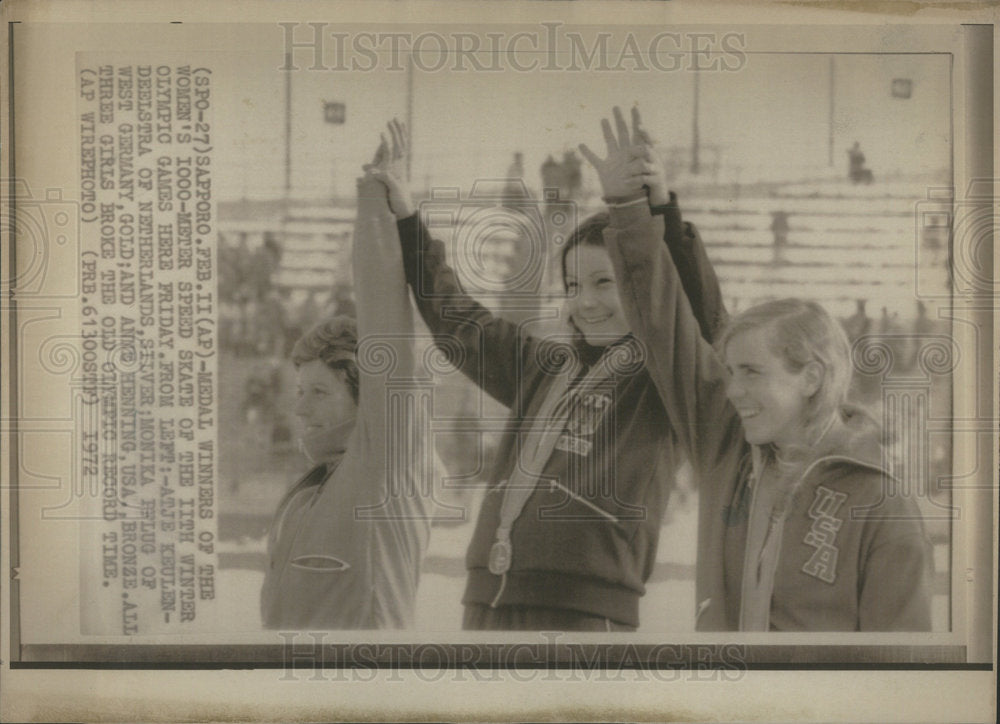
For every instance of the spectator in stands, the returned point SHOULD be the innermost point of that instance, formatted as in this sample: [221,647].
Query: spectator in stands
[552,174]
[343,300]
[864,387]
[923,327]
[269,326]
[516,168]
[779,227]
[859,323]
[240,266]
[258,397]
[856,170]
[573,173]
[265,262]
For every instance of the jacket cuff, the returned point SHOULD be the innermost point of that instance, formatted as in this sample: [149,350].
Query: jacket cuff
[408,226]
[636,198]
[671,213]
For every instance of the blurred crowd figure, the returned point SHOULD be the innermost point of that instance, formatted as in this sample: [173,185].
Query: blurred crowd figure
[859,323]
[546,220]
[902,338]
[856,170]
[259,322]
[516,170]
[779,227]
[252,311]
[258,318]
[565,175]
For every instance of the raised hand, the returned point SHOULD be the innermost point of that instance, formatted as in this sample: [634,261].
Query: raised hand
[625,170]
[389,167]
[655,179]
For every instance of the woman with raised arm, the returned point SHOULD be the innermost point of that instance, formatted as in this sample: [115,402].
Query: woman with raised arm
[801,528]
[347,540]
[567,534]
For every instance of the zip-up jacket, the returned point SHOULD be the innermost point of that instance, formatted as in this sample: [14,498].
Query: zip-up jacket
[347,541]
[586,538]
[849,553]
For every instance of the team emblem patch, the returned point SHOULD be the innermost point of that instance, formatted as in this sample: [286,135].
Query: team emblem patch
[586,414]
[822,535]
[588,411]
[576,445]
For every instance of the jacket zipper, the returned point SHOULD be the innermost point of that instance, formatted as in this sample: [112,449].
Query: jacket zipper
[746,562]
[702,607]
[772,523]
[606,514]
[554,484]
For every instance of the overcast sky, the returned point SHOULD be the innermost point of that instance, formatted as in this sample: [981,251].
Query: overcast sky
[770,118]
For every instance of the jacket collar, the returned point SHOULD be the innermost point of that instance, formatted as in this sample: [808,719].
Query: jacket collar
[852,439]
[590,354]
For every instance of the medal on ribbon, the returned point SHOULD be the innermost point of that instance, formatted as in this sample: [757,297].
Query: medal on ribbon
[500,555]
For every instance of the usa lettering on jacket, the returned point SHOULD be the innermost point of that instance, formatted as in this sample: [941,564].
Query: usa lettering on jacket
[822,535]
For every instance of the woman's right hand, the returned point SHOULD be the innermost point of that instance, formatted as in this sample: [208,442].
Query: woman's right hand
[655,173]
[389,167]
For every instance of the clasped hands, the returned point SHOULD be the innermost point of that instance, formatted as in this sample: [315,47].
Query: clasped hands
[633,165]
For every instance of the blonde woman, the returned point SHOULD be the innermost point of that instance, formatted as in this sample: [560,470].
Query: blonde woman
[801,528]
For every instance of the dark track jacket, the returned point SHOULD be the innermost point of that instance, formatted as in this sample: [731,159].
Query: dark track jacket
[852,555]
[586,539]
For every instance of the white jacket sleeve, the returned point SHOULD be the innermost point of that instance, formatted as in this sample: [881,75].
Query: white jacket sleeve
[392,443]
[385,317]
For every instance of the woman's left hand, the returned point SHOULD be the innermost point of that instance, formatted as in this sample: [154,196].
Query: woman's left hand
[627,167]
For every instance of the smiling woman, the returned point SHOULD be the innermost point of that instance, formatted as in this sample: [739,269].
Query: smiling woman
[769,398]
[590,284]
[594,303]
[574,552]
[801,526]
[326,387]
[789,363]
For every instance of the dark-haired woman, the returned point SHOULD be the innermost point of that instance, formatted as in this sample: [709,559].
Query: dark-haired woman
[567,534]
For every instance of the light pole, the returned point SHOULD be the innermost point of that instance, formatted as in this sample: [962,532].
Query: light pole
[830,123]
[288,127]
[409,114]
[695,165]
